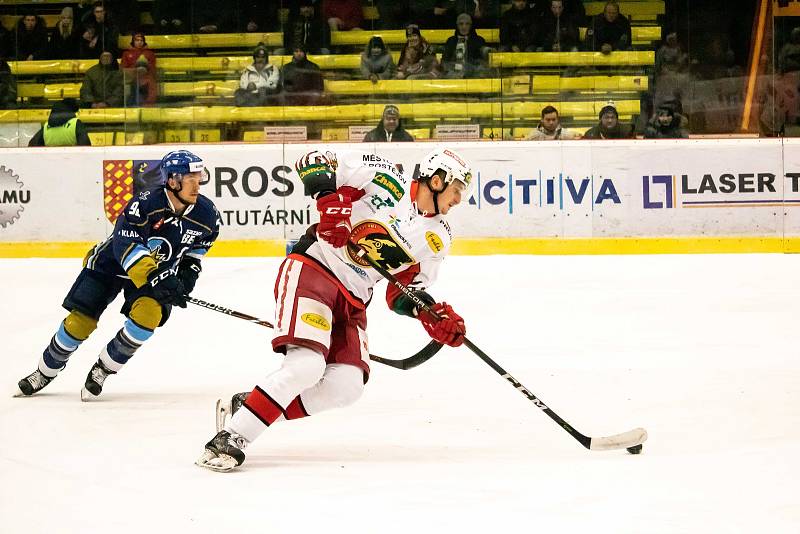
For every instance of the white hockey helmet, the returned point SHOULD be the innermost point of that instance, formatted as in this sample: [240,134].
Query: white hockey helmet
[454,166]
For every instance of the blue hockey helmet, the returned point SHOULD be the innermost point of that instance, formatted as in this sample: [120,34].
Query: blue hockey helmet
[180,162]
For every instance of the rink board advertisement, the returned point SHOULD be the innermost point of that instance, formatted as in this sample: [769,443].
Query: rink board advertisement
[682,189]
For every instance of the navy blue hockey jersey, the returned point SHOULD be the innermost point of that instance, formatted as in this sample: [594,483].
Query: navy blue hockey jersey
[149,226]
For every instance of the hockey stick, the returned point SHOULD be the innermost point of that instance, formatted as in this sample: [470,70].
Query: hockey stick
[631,440]
[425,354]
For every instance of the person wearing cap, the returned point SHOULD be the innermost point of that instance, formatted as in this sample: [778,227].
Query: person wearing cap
[417,59]
[139,67]
[609,126]
[62,128]
[666,124]
[259,81]
[464,52]
[302,80]
[389,129]
[103,85]
[549,128]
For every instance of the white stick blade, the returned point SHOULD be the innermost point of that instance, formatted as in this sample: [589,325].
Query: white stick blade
[637,436]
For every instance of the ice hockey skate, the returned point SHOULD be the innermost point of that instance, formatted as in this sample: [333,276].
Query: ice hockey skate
[224,452]
[227,409]
[33,383]
[94,381]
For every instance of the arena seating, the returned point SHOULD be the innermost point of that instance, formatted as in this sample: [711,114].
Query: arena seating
[198,76]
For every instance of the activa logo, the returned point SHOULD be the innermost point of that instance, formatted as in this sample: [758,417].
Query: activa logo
[557,191]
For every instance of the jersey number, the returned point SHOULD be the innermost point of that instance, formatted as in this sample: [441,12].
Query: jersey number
[134,209]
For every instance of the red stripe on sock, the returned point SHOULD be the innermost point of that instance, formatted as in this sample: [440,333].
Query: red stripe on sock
[296,410]
[263,406]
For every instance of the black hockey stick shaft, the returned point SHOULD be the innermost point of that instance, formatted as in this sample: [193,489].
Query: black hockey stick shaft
[584,440]
[425,354]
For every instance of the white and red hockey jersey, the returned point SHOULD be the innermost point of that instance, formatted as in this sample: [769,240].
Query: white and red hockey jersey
[386,222]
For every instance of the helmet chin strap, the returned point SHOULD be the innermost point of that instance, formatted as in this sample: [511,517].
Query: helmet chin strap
[176,191]
[435,196]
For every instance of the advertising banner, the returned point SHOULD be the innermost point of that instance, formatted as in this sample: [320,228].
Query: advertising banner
[547,190]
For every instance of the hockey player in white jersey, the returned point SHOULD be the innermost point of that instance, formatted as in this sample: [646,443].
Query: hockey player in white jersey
[323,287]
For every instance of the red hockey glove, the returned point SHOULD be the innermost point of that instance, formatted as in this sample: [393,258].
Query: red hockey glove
[334,215]
[449,329]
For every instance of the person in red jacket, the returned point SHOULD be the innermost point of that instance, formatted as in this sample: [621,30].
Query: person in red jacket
[343,14]
[139,64]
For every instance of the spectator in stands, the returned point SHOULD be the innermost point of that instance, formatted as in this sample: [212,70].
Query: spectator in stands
[7,49]
[302,80]
[8,86]
[393,14]
[549,128]
[376,61]
[169,16]
[573,9]
[65,42]
[670,58]
[306,28]
[211,16]
[417,58]
[260,82]
[139,67]
[465,51]
[103,86]
[609,126]
[389,129]
[559,31]
[62,128]
[484,13]
[99,33]
[789,56]
[609,30]
[343,15]
[125,13]
[30,38]
[259,15]
[667,123]
[518,28]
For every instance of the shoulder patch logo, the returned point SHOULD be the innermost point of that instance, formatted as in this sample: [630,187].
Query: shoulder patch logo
[317,321]
[434,242]
[388,183]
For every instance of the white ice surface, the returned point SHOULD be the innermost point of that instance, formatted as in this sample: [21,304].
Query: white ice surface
[700,350]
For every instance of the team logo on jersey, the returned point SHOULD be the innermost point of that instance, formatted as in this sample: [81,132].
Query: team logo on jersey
[161,249]
[125,178]
[388,183]
[380,245]
[317,321]
[434,241]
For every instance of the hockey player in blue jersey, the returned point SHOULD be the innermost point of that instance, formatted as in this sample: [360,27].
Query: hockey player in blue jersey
[153,256]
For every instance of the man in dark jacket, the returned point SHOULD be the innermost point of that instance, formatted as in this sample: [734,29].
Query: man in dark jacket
[389,129]
[31,38]
[464,51]
[62,128]
[307,28]
[302,80]
[559,31]
[103,85]
[609,30]
[609,126]
[518,28]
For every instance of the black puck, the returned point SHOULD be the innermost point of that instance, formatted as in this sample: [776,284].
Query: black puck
[636,449]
